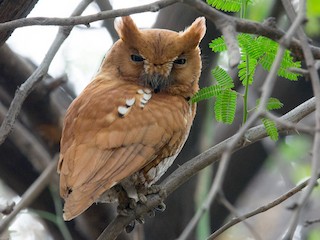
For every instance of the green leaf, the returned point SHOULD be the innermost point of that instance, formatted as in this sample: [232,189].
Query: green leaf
[273,104]
[223,78]
[271,128]
[226,5]
[250,46]
[218,45]
[206,93]
[243,69]
[225,106]
[270,48]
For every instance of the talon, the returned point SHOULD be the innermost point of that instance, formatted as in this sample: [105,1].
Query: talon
[140,220]
[162,193]
[130,227]
[142,198]
[161,207]
[154,189]
[123,212]
[151,213]
[132,204]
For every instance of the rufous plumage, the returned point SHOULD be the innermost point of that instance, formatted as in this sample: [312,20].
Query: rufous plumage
[129,124]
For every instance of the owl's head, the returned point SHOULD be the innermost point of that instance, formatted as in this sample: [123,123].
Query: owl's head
[161,59]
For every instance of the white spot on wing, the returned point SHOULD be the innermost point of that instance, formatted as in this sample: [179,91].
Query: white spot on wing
[122,110]
[147,91]
[143,101]
[130,102]
[147,96]
[140,91]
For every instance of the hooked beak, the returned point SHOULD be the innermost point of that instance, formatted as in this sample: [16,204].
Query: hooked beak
[156,81]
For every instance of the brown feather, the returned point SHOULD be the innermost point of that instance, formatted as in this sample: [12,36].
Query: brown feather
[119,129]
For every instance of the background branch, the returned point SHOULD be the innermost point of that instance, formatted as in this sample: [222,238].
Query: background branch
[36,77]
[28,197]
[259,210]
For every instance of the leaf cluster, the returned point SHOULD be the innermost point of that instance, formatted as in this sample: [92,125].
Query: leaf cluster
[258,50]
[269,125]
[255,51]
[226,98]
[227,5]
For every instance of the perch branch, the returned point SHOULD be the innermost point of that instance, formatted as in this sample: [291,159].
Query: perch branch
[193,166]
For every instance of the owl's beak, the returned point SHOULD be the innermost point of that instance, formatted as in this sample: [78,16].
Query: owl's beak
[156,81]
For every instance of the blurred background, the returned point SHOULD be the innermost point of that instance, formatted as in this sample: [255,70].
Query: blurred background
[257,175]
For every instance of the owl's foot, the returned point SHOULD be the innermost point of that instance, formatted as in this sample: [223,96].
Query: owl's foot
[124,208]
[154,189]
[129,228]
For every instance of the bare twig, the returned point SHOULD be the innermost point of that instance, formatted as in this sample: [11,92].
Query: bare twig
[316,91]
[259,210]
[105,5]
[231,41]
[25,89]
[219,18]
[247,26]
[33,191]
[266,93]
[289,125]
[80,20]
[311,222]
[223,200]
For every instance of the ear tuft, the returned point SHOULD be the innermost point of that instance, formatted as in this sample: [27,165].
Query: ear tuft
[126,29]
[194,33]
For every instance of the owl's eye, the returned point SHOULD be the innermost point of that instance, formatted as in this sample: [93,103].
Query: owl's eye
[180,61]
[136,58]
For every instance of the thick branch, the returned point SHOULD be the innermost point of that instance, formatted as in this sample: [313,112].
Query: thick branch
[219,18]
[190,168]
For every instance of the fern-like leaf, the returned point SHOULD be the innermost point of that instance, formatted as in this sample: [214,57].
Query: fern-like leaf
[223,78]
[250,46]
[226,5]
[270,48]
[225,106]
[218,45]
[206,93]
[243,69]
[273,104]
[271,128]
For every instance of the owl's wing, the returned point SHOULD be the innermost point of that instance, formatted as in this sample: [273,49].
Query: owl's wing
[108,136]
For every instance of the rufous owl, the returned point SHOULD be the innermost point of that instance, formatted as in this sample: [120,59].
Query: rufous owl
[128,125]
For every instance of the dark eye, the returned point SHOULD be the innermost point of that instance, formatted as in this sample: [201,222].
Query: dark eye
[180,61]
[136,58]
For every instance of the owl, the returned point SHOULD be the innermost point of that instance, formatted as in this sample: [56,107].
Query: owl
[125,129]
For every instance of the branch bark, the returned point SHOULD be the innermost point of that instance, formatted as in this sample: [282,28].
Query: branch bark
[9,11]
